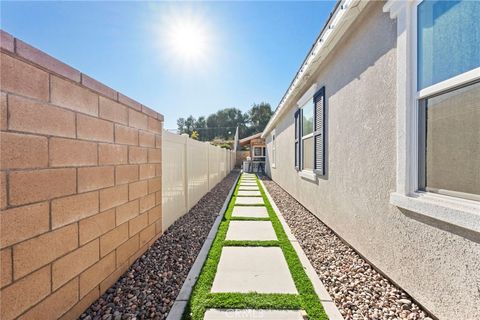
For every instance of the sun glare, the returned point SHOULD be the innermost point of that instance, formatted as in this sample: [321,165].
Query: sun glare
[188,41]
[187,38]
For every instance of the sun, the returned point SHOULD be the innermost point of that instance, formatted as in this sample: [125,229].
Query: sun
[188,41]
[187,38]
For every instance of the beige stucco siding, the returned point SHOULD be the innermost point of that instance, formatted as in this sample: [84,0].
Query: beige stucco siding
[438,268]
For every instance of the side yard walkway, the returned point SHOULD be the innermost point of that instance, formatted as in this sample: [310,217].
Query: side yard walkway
[252,270]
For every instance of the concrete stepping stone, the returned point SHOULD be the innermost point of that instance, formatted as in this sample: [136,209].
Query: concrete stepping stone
[252,314]
[249,200]
[250,212]
[253,269]
[249,184]
[248,188]
[251,230]
[252,193]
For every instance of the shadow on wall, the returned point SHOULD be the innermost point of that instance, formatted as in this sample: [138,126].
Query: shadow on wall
[459,231]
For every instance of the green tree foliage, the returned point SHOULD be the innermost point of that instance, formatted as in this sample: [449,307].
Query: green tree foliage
[258,116]
[223,123]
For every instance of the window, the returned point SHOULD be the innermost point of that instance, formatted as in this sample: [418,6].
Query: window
[274,149]
[259,153]
[438,109]
[309,134]
[450,142]
[449,117]
[448,31]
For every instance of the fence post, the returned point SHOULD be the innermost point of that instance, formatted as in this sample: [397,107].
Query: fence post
[185,167]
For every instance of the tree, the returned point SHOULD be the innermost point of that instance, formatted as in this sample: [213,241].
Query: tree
[201,123]
[190,124]
[186,125]
[258,116]
[223,123]
[228,120]
[212,124]
[181,125]
[201,128]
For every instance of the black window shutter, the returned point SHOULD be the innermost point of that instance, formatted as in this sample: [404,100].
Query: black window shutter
[319,132]
[297,139]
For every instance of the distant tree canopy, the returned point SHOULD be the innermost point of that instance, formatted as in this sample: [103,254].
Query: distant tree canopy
[223,123]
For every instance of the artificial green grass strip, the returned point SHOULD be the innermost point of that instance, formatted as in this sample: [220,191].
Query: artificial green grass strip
[248,219]
[202,299]
[254,301]
[251,243]
[310,301]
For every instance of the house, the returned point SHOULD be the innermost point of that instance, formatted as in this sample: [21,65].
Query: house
[378,135]
[256,146]
[252,147]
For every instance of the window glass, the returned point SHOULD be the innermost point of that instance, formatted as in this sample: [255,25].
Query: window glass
[307,118]
[448,39]
[274,147]
[307,153]
[453,142]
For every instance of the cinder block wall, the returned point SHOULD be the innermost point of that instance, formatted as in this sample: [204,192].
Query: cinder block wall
[80,185]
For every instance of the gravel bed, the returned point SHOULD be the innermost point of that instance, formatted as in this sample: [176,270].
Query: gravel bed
[150,286]
[358,290]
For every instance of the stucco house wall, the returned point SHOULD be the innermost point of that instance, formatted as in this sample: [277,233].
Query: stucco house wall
[437,266]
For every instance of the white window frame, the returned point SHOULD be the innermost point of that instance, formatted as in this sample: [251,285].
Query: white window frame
[274,149]
[306,98]
[452,210]
[262,152]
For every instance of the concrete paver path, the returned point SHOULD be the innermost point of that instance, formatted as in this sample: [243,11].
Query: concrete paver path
[253,269]
[250,266]
[248,201]
[248,188]
[250,212]
[251,231]
[252,193]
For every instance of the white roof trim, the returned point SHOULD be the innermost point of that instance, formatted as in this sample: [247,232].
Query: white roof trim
[307,95]
[327,39]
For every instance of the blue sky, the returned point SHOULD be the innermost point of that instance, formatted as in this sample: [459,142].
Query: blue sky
[250,54]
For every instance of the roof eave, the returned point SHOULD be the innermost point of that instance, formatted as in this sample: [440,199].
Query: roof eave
[343,15]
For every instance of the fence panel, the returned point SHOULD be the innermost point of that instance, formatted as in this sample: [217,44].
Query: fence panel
[190,169]
[197,158]
[222,157]
[174,202]
[233,159]
[214,176]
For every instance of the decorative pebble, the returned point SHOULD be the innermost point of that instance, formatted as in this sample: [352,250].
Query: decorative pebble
[150,286]
[357,289]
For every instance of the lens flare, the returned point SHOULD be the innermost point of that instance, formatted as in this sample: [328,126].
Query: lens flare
[185,37]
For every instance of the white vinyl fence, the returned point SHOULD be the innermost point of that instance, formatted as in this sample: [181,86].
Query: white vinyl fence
[190,169]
